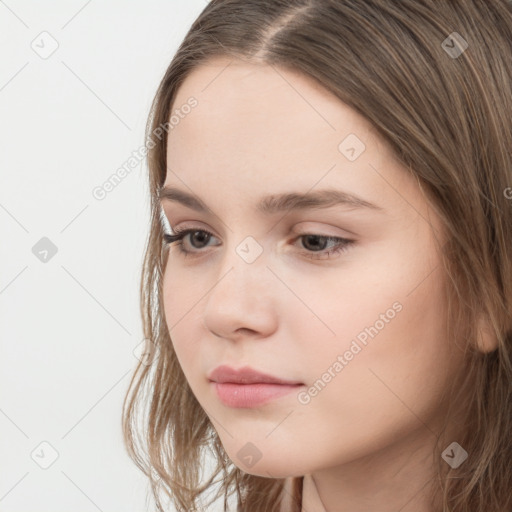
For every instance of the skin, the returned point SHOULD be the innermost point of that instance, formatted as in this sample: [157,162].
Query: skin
[365,439]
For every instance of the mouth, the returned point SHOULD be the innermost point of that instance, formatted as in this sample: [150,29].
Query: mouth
[251,395]
[246,375]
[247,387]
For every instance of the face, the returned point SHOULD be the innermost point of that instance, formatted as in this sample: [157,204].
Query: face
[344,299]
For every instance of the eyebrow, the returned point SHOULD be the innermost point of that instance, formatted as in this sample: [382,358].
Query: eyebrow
[276,203]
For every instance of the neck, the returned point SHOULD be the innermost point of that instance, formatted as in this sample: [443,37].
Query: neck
[397,477]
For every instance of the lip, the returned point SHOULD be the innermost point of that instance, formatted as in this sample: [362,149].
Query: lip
[247,387]
[250,395]
[246,375]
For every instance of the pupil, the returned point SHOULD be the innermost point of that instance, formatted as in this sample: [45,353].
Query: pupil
[316,238]
[201,234]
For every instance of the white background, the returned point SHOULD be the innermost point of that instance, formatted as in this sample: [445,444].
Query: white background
[69,325]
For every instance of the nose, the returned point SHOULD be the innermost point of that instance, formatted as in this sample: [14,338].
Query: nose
[242,302]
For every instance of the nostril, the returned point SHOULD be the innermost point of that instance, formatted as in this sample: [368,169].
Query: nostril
[244,330]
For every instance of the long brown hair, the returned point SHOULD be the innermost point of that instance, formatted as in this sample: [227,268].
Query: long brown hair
[435,80]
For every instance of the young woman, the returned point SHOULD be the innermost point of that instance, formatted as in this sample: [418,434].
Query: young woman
[329,315]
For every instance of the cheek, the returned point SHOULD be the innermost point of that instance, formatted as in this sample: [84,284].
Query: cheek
[385,372]
[396,360]
[180,301]
[183,289]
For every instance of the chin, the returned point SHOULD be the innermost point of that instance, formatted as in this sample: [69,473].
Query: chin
[279,465]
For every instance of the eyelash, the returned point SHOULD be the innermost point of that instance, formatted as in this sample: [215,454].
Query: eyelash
[343,243]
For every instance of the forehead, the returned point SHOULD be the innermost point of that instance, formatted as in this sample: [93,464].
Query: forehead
[261,109]
[258,128]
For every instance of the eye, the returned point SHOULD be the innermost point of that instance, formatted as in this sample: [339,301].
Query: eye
[317,242]
[312,240]
[181,234]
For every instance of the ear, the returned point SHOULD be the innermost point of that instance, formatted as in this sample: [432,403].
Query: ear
[487,340]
